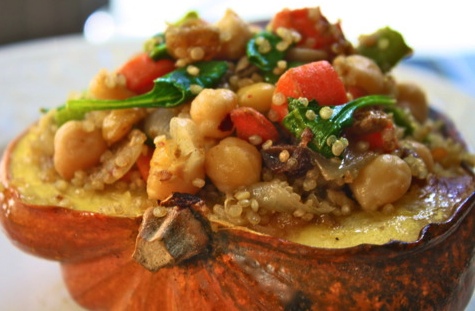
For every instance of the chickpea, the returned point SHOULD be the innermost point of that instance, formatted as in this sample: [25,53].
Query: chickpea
[422,151]
[234,35]
[361,72]
[412,97]
[177,164]
[210,111]
[384,180]
[77,147]
[106,85]
[233,163]
[257,96]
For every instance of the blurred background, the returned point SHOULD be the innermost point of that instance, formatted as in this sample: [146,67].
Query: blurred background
[32,19]
[440,32]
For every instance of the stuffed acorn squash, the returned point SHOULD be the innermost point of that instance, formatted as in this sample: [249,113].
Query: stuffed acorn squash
[235,167]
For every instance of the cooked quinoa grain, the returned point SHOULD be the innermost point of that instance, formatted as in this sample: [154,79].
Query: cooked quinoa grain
[268,169]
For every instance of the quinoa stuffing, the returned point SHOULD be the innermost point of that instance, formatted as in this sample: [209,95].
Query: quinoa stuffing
[274,127]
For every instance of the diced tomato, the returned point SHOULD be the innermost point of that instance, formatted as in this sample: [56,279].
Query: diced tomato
[314,28]
[143,163]
[140,71]
[250,122]
[376,140]
[315,81]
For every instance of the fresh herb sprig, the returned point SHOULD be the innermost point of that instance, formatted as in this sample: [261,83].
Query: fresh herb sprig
[322,128]
[386,47]
[169,91]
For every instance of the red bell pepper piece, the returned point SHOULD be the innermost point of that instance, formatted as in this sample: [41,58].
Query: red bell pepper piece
[376,140]
[316,31]
[315,81]
[140,71]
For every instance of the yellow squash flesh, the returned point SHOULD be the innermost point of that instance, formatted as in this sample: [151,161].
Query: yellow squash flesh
[234,268]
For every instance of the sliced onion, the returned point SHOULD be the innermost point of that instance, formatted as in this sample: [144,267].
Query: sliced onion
[352,162]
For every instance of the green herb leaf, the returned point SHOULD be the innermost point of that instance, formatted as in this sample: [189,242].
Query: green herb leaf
[156,47]
[262,51]
[271,77]
[169,91]
[403,118]
[342,117]
[190,15]
[386,47]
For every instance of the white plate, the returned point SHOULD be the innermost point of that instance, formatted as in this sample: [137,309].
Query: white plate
[40,74]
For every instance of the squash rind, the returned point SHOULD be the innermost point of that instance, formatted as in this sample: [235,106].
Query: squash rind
[248,271]
[245,270]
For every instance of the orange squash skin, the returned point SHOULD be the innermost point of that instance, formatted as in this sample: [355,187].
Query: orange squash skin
[58,233]
[244,270]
